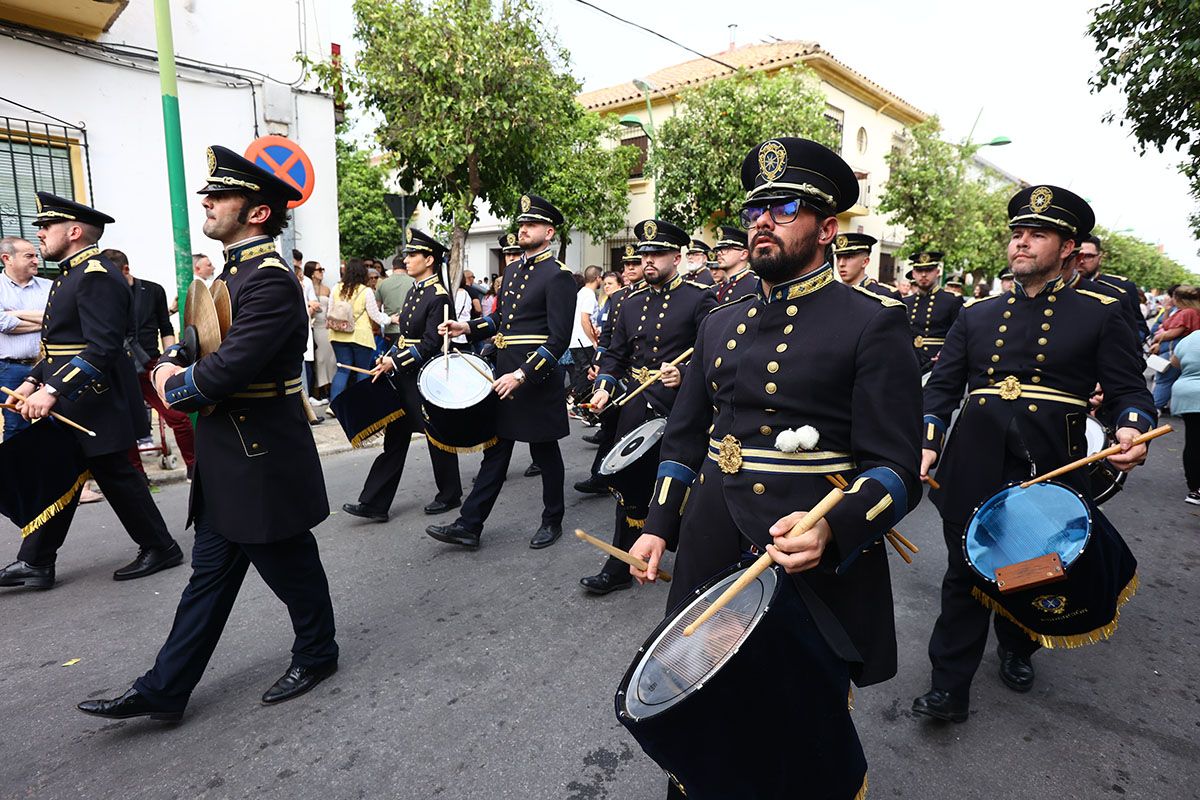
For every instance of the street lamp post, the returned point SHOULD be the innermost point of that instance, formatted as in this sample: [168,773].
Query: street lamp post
[631,121]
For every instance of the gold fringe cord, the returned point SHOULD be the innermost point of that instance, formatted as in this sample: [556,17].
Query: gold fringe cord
[451,449]
[635,523]
[850,699]
[1065,642]
[862,793]
[375,427]
[57,506]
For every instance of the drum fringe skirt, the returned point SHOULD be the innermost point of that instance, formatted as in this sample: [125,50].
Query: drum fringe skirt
[58,505]
[375,428]
[452,449]
[1064,642]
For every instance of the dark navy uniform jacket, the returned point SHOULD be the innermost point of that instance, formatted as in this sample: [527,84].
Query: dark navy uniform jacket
[703,276]
[86,320]
[657,324]
[817,353]
[531,329]
[604,338]
[1126,291]
[872,285]
[1029,365]
[930,317]
[418,342]
[737,287]
[257,472]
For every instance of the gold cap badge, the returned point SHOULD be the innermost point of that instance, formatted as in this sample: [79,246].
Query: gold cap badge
[650,230]
[408,234]
[841,242]
[1040,199]
[212,161]
[511,239]
[525,203]
[629,251]
[772,160]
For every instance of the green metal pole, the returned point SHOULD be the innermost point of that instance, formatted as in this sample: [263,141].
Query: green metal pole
[174,138]
[650,135]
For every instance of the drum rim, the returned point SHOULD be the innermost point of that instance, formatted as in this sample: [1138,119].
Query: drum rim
[1090,421]
[437,360]
[661,422]
[635,669]
[966,528]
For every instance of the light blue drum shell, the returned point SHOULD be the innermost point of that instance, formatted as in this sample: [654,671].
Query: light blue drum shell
[1016,524]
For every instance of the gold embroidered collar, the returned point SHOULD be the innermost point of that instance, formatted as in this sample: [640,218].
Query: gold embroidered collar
[805,284]
[88,252]
[248,249]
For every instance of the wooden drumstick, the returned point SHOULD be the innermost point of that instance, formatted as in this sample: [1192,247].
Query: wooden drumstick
[620,554]
[932,483]
[356,369]
[655,379]
[764,561]
[475,367]
[893,536]
[55,414]
[446,338]
[1105,453]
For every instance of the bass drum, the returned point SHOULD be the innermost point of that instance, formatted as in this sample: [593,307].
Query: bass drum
[633,460]
[1106,479]
[689,700]
[1099,572]
[460,406]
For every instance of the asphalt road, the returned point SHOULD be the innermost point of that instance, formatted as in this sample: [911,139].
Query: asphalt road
[490,674]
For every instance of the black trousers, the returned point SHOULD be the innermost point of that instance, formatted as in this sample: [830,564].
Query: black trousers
[291,568]
[1191,451]
[492,472]
[608,437]
[383,479]
[126,491]
[631,507]
[961,631]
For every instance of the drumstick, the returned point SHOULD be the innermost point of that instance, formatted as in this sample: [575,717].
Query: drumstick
[893,537]
[475,367]
[55,414]
[655,379]
[1105,453]
[356,369]
[932,483]
[620,554]
[764,561]
[446,338]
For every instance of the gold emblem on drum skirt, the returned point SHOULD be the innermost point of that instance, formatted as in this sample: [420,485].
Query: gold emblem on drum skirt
[1040,199]
[499,342]
[1050,604]
[525,202]
[1010,388]
[729,455]
[772,160]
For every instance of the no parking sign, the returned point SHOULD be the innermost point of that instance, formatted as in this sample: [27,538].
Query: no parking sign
[283,157]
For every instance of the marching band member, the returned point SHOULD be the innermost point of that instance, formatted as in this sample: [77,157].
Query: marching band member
[853,254]
[734,258]
[931,309]
[698,256]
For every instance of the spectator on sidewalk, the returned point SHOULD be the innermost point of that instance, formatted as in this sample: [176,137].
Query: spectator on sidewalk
[584,333]
[202,269]
[1185,403]
[391,294]
[323,364]
[352,309]
[475,292]
[1184,320]
[150,322]
[22,300]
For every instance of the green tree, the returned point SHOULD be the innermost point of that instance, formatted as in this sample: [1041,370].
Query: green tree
[697,157]
[1140,262]
[365,226]
[948,201]
[467,95]
[1150,50]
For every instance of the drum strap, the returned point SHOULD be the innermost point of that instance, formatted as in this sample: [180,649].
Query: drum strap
[827,622]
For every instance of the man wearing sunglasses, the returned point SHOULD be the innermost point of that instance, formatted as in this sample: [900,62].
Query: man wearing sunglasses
[1087,259]
[802,381]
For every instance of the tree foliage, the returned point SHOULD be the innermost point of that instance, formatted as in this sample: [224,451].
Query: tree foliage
[948,201]
[476,105]
[697,157]
[1150,50]
[365,226]
[1140,262]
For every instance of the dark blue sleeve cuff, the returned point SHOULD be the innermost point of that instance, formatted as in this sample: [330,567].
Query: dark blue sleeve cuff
[185,391]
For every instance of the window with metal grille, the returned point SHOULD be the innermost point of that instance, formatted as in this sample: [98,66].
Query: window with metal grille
[36,156]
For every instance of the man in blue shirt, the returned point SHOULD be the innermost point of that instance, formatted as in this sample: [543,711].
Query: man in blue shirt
[22,300]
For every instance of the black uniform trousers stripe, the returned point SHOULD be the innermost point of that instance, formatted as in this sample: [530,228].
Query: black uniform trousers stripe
[494,469]
[961,631]
[293,571]
[383,479]
[125,490]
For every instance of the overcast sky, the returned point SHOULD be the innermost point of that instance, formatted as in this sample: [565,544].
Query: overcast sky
[1025,64]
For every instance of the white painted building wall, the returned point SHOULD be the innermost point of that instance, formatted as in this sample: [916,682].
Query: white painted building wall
[121,109]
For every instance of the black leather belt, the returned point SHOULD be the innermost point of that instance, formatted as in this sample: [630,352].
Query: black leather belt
[25,362]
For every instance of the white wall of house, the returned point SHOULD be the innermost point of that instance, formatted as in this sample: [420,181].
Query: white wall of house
[121,109]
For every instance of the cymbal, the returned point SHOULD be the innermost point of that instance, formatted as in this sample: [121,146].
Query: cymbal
[220,295]
[200,312]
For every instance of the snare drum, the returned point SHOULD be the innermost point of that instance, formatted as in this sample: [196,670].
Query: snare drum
[630,467]
[1016,526]
[460,406]
[701,705]
[1106,479]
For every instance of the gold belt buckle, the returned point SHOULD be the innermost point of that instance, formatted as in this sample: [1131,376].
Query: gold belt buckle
[499,341]
[919,342]
[729,455]
[1010,388]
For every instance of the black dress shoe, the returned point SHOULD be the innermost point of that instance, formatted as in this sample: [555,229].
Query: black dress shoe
[359,510]
[19,573]
[149,561]
[296,681]
[453,533]
[606,582]
[592,438]
[131,704]
[545,536]
[532,469]
[592,485]
[940,704]
[438,507]
[1015,670]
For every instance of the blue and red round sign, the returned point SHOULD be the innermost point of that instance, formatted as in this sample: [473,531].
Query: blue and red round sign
[283,157]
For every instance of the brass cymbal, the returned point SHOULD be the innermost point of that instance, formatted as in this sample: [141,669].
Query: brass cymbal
[200,312]
[220,295]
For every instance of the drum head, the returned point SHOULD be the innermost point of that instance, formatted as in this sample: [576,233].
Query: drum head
[459,386]
[633,446]
[1097,436]
[1016,524]
[673,665]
